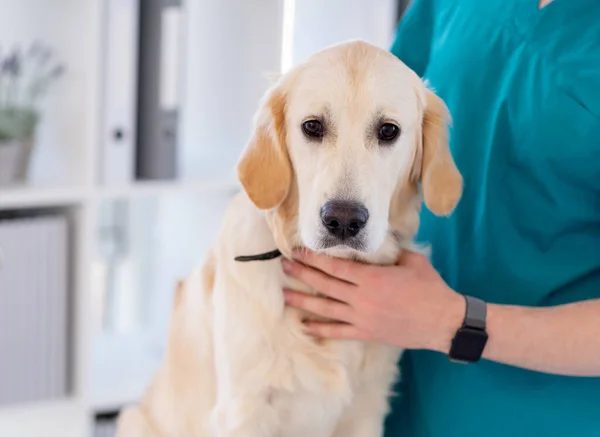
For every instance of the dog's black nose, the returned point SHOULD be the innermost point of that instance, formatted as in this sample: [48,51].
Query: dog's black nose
[344,219]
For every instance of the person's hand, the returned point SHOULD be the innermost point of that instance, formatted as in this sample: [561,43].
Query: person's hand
[406,305]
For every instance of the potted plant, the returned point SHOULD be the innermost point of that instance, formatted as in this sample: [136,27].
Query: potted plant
[24,80]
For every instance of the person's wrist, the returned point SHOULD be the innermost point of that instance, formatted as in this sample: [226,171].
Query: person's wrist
[449,320]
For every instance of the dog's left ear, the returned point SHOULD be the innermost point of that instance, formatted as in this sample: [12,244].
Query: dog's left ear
[441,182]
[264,168]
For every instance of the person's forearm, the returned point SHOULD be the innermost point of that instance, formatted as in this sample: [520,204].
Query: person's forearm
[562,339]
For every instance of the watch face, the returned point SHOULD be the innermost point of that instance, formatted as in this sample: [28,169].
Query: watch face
[468,345]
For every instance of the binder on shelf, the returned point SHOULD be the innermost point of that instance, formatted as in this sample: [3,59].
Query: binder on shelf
[117,160]
[158,92]
[34,308]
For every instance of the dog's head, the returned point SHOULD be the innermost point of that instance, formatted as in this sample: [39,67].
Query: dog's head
[341,145]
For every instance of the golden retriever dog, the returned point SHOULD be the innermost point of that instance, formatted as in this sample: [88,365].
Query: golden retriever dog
[345,147]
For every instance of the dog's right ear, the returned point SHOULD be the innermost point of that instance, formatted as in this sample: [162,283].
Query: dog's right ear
[264,168]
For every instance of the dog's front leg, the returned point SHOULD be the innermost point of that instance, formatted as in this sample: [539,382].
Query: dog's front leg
[365,416]
[247,390]
[250,361]
[245,416]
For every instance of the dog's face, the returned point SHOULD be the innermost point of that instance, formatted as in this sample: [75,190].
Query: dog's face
[349,130]
[351,133]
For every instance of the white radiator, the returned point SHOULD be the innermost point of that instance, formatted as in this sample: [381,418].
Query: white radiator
[33,309]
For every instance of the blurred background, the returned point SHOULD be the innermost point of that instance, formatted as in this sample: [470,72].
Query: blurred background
[120,125]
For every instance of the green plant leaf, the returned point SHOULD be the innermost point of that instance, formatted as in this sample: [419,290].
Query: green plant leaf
[17,123]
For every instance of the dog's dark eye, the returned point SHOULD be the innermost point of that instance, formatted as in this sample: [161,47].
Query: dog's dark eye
[313,128]
[388,132]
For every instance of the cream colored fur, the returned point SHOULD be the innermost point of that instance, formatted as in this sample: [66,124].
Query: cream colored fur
[238,363]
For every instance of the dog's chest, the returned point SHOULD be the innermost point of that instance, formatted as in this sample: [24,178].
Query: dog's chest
[355,371]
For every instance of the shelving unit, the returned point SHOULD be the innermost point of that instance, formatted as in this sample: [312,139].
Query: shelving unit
[62,417]
[33,197]
[141,236]
[144,189]
[168,224]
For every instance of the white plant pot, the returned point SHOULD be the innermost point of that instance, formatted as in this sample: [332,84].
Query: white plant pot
[15,156]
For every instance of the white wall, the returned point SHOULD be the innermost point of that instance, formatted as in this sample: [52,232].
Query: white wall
[320,23]
[230,46]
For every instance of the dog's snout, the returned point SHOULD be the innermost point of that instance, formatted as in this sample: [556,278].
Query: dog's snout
[344,219]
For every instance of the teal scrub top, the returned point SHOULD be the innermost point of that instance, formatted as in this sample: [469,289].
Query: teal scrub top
[523,88]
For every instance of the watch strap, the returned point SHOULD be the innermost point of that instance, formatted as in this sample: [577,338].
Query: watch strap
[476,313]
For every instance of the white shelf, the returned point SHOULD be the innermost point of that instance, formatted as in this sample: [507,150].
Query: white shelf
[41,197]
[34,197]
[160,188]
[64,418]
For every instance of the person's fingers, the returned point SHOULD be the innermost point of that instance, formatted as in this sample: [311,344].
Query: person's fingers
[336,331]
[345,270]
[319,306]
[319,281]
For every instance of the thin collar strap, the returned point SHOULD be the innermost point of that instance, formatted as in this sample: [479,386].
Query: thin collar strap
[260,257]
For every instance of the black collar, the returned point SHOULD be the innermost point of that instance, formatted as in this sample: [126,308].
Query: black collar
[260,257]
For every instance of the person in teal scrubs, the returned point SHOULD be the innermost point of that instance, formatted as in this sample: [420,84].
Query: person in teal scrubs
[522,82]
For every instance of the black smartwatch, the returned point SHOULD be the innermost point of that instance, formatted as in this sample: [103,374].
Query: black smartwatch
[470,339]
